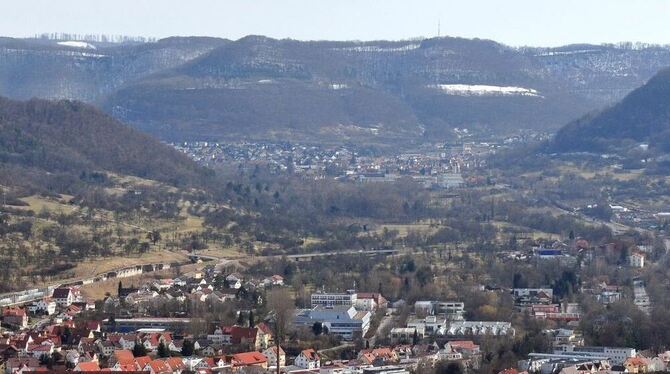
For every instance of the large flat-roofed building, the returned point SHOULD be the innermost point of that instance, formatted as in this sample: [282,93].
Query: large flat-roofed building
[340,320]
[546,363]
[452,310]
[328,299]
[135,324]
[616,355]
[406,334]
[431,325]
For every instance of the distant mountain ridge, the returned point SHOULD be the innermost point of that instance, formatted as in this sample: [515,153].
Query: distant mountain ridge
[259,87]
[643,116]
[46,69]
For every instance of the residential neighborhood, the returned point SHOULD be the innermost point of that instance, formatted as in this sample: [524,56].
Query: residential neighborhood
[62,333]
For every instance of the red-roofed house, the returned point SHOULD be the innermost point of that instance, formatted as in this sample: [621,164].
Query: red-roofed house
[21,342]
[176,364]
[635,365]
[275,280]
[122,358]
[370,301]
[87,366]
[141,362]
[241,335]
[383,356]
[92,325]
[250,359]
[158,367]
[72,310]
[151,341]
[464,347]
[308,359]
[38,350]
[15,316]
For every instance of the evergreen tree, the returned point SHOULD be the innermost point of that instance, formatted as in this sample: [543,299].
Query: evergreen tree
[188,348]
[317,328]
[251,318]
[163,350]
[44,359]
[119,289]
[139,350]
[445,367]
[67,335]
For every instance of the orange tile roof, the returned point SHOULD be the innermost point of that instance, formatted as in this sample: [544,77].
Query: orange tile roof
[128,367]
[88,366]
[637,361]
[175,363]
[264,328]
[142,361]
[159,366]
[466,344]
[124,357]
[249,358]
[310,354]
[368,357]
[14,311]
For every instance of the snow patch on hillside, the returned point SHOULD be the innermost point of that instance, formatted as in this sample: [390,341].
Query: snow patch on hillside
[566,53]
[484,90]
[339,86]
[77,44]
[374,48]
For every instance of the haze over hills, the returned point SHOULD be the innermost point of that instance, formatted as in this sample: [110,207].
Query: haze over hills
[643,116]
[64,69]
[206,88]
[47,145]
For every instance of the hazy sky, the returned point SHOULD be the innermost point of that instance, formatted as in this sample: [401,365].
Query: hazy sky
[515,22]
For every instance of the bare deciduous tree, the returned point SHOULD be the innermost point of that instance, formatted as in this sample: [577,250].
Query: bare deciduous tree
[281,306]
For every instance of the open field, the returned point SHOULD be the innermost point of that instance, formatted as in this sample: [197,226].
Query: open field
[228,252]
[531,233]
[404,229]
[38,203]
[99,290]
[91,267]
[618,174]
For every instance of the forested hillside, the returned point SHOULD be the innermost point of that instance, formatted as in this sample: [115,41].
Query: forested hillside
[642,117]
[50,145]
